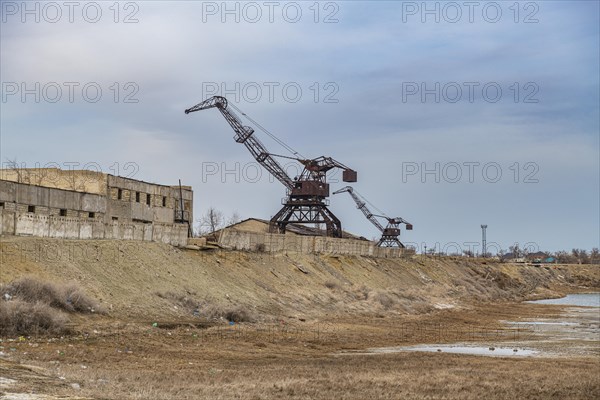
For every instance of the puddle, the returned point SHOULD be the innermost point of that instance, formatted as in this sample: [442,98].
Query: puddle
[576,331]
[560,323]
[578,299]
[456,349]
[475,350]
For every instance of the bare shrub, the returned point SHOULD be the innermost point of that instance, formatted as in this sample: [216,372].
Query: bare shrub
[362,293]
[18,317]
[68,297]
[31,290]
[185,301]
[209,308]
[238,314]
[331,285]
[383,299]
[78,301]
[30,306]
[411,295]
[422,307]
[235,313]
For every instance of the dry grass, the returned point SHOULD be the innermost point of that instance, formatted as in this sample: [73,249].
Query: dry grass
[331,285]
[208,308]
[18,317]
[178,365]
[125,360]
[255,361]
[384,299]
[29,306]
[68,297]
[126,277]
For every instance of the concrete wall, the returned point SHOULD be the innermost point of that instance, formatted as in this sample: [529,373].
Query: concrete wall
[143,201]
[274,243]
[153,202]
[77,180]
[48,201]
[69,214]
[29,224]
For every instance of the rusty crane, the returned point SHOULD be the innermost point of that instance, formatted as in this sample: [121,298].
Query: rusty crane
[389,233]
[306,200]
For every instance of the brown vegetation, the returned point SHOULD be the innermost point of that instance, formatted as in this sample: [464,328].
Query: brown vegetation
[29,306]
[290,360]
[18,317]
[308,312]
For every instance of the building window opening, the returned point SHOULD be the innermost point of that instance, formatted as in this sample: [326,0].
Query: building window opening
[137,197]
[63,212]
[1,204]
[164,201]
[119,194]
[115,218]
[30,209]
[92,215]
[148,199]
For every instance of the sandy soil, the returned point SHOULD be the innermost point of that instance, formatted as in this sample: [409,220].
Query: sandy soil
[294,359]
[309,328]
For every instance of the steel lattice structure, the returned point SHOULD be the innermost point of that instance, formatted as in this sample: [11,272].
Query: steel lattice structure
[306,200]
[391,232]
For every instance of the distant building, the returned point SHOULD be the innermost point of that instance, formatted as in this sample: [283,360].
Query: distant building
[257,225]
[513,258]
[50,202]
[538,256]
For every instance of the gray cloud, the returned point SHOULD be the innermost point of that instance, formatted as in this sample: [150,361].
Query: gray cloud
[369,54]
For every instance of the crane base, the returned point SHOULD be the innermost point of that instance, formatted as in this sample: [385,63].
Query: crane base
[387,241]
[303,211]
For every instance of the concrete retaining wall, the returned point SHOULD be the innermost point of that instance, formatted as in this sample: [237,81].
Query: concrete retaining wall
[28,224]
[274,243]
[29,210]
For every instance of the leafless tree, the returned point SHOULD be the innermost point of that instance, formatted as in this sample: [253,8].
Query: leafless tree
[13,165]
[595,256]
[581,256]
[74,181]
[211,221]
[234,218]
[515,250]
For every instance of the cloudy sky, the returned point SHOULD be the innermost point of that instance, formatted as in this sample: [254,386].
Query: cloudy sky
[454,114]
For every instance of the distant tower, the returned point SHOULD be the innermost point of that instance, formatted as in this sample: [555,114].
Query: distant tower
[483,241]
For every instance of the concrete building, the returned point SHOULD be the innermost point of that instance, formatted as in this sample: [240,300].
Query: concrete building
[258,225]
[51,202]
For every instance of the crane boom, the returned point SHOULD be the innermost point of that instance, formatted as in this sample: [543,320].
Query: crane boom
[362,206]
[244,135]
[307,193]
[389,234]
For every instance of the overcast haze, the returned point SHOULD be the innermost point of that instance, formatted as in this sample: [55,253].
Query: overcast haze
[524,161]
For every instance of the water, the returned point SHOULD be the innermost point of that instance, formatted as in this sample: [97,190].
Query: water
[576,324]
[561,323]
[579,299]
[458,349]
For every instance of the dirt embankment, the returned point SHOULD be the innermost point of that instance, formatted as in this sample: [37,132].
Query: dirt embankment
[144,281]
[312,314]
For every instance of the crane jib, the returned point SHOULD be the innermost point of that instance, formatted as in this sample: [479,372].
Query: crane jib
[307,193]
